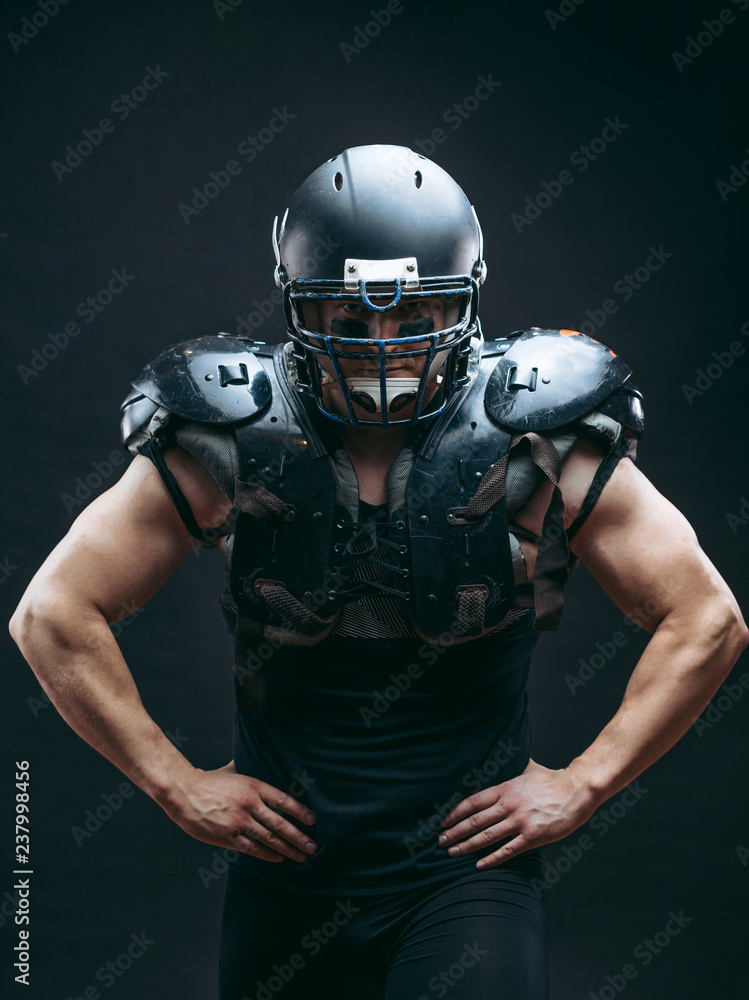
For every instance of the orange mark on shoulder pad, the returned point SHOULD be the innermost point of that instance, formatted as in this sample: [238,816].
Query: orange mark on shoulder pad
[570,333]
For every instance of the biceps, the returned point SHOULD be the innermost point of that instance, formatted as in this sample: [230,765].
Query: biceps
[642,550]
[119,551]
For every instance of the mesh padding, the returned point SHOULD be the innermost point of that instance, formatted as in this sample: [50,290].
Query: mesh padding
[346,483]
[397,479]
[216,449]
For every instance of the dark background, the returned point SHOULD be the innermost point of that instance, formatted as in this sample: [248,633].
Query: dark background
[655,185]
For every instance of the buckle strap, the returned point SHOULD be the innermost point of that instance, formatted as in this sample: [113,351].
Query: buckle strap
[253,499]
[290,610]
[469,617]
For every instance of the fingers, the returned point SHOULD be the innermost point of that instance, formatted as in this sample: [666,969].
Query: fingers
[474,803]
[269,835]
[505,852]
[491,835]
[280,831]
[248,845]
[280,800]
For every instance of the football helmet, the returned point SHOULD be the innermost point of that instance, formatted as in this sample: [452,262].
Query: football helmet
[381,226]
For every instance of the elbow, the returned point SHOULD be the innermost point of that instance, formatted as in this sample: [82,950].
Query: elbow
[17,623]
[729,629]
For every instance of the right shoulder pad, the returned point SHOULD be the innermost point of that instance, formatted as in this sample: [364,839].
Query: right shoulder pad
[210,380]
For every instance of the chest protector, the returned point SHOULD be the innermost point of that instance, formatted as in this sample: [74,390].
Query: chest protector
[447,562]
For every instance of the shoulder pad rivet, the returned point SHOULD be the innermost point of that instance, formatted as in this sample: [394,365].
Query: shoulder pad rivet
[432,598]
[477,475]
[423,519]
[209,378]
[317,515]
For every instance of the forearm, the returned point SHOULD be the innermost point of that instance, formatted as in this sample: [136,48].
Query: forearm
[74,655]
[683,665]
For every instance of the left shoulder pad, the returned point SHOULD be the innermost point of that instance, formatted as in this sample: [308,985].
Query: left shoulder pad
[549,378]
[210,380]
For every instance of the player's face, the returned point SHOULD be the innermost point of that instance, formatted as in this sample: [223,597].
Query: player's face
[410,318]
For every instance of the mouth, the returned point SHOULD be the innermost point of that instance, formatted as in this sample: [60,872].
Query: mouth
[375,372]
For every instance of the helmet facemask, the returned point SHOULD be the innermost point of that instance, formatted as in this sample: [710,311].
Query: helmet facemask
[370,394]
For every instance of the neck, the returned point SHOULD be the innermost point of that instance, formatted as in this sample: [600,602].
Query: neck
[365,442]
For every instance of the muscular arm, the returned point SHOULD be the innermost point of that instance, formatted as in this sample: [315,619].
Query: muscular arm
[117,554]
[640,549]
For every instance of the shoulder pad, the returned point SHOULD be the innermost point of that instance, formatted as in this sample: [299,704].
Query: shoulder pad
[211,380]
[548,378]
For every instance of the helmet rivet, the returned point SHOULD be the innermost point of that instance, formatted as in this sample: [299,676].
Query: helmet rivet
[477,475]
[546,381]
[307,594]
[410,267]
[351,268]
[331,595]
[209,378]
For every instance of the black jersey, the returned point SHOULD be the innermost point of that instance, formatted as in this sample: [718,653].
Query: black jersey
[381,738]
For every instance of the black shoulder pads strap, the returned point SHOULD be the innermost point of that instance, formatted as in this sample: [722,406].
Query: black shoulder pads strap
[549,378]
[212,380]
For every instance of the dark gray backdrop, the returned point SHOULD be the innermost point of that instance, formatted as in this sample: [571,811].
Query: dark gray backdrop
[224,71]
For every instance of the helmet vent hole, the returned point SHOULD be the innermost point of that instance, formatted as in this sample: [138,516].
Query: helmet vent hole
[338,181]
[417,178]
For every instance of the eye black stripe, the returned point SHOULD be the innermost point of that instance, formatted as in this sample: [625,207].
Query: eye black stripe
[348,328]
[418,327]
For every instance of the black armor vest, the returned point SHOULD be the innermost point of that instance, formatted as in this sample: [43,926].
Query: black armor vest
[449,566]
